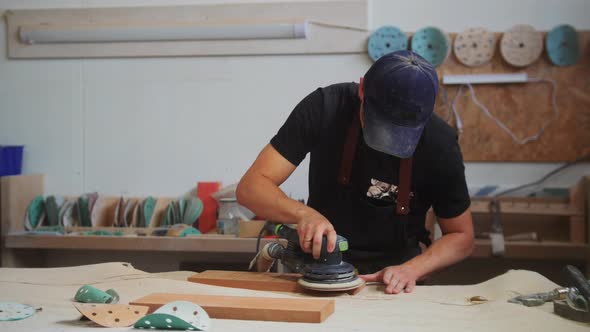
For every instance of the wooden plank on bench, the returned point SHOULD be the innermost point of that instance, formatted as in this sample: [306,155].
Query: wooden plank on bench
[249,308]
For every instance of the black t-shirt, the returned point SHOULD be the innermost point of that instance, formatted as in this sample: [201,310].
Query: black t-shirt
[364,210]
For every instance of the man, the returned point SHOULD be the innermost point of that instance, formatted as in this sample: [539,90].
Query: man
[379,159]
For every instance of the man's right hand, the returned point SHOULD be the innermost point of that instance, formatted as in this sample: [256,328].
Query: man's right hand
[311,227]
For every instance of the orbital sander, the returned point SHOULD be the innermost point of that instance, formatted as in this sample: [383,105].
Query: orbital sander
[328,273]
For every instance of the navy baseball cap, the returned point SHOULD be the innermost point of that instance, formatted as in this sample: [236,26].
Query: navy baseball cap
[400,89]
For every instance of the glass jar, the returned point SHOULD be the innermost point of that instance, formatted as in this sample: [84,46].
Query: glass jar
[228,221]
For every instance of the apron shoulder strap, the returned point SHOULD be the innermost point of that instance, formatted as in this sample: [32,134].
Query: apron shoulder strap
[405,183]
[349,149]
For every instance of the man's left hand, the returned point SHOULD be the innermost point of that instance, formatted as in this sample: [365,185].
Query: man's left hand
[397,278]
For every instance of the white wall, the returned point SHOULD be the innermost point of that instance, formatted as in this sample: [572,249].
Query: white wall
[157,126]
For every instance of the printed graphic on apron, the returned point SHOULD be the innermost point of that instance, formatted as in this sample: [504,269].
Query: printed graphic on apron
[383,191]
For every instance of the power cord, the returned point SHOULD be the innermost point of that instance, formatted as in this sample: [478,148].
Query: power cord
[578,160]
[338,26]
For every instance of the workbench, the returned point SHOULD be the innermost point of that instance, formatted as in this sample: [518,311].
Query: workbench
[428,308]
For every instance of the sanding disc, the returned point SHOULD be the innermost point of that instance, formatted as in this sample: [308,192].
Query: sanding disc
[432,44]
[385,40]
[562,45]
[176,315]
[521,45]
[475,46]
[112,315]
[332,287]
[35,213]
[10,311]
[66,214]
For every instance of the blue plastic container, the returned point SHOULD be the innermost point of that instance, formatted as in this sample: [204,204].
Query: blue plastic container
[11,159]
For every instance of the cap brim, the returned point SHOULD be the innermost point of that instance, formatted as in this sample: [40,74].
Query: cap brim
[384,136]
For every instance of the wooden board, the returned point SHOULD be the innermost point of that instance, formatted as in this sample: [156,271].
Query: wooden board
[16,192]
[249,308]
[265,281]
[326,32]
[523,108]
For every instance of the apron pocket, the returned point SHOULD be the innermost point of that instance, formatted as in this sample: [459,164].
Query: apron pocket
[386,229]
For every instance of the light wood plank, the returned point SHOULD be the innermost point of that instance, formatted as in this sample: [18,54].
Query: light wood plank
[16,192]
[266,281]
[249,308]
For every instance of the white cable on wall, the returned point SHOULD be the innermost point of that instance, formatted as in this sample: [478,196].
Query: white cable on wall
[500,124]
[337,26]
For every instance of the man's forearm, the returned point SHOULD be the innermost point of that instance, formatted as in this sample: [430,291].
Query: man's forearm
[449,249]
[266,200]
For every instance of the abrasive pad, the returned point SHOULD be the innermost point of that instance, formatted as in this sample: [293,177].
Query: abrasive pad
[475,46]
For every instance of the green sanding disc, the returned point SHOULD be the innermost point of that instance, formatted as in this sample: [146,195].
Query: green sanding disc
[35,213]
[432,44]
[148,207]
[89,294]
[177,315]
[83,209]
[194,208]
[163,322]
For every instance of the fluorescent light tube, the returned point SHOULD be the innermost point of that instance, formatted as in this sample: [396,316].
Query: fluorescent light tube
[108,34]
[485,78]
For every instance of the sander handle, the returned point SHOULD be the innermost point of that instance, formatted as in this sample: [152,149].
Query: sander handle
[291,235]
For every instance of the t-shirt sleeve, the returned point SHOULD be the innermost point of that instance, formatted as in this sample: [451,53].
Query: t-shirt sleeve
[300,132]
[450,195]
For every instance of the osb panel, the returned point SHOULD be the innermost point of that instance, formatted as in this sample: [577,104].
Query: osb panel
[524,108]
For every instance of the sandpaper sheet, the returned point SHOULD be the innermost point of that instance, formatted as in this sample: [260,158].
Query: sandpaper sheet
[428,308]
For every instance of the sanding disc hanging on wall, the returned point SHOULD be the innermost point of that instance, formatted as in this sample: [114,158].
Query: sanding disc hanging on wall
[385,40]
[521,46]
[562,45]
[475,46]
[432,44]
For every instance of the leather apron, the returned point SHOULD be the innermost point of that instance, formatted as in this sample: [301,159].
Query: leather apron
[397,247]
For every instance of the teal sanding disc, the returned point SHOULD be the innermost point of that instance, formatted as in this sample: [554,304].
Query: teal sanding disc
[385,40]
[562,45]
[432,44]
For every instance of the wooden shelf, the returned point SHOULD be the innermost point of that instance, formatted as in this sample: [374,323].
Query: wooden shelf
[534,250]
[529,207]
[205,243]
[229,244]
